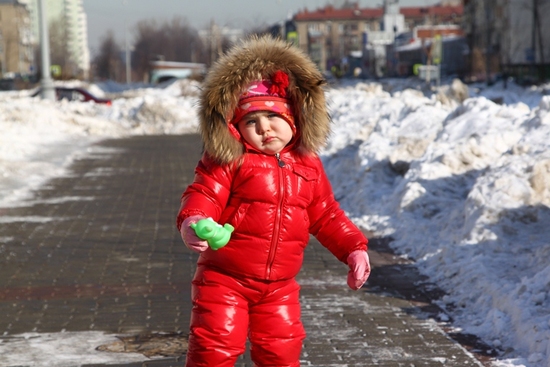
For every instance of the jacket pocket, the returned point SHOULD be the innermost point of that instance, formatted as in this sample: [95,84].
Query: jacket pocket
[306,178]
[307,173]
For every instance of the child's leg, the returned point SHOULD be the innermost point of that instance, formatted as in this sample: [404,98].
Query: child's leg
[276,331]
[219,321]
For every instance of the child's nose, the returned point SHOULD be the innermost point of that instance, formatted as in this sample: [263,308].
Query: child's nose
[263,125]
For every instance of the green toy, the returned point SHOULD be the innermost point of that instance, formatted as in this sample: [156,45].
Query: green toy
[215,234]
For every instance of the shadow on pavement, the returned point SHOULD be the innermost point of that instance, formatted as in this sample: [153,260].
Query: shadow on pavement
[399,277]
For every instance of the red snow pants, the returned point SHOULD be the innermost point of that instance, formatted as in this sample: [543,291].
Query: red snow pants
[227,310]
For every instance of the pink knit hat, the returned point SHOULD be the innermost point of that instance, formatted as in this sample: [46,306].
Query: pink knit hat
[265,95]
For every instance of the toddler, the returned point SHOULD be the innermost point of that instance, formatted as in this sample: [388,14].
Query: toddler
[263,118]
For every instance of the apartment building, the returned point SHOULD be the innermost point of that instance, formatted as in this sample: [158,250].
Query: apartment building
[329,34]
[16,42]
[68,33]
[333,36]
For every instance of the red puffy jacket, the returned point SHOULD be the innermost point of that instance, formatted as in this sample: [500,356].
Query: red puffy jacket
[274,203]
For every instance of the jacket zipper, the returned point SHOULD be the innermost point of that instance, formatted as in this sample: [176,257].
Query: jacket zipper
[280,162]
[277,227]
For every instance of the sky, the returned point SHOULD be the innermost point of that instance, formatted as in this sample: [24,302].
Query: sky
[471,210]
[118,15]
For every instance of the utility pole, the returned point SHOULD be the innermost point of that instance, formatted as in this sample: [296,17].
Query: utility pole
[48,90]
[539,33]
[128,65]
[488,41]
[534,32]
[127,47]
[472,37]
[533,52]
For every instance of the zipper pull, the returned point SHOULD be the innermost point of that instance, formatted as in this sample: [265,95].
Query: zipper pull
[279,161]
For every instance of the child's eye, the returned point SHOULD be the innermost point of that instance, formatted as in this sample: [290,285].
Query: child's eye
[250,122]
[272,115]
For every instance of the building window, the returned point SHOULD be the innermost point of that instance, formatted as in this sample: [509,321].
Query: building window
[313,27]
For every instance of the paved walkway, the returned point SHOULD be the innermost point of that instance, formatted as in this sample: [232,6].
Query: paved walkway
[98,251]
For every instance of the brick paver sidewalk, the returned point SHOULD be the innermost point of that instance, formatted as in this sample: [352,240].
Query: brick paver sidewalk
[98,251]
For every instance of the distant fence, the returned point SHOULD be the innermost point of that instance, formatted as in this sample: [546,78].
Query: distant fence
[527,73]
[7,84]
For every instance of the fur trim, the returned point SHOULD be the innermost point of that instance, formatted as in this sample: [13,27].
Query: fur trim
[253,59]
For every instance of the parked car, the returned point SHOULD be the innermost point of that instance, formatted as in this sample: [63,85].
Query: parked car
[75,94]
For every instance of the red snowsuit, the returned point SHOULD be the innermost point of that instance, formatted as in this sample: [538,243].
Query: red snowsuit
[248,286]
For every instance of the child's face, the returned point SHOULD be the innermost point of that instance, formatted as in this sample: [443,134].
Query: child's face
[266,131]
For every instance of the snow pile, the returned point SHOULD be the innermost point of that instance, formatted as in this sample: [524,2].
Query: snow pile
[39,138]
[463,190]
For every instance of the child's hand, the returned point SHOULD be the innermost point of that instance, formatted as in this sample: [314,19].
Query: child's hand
[359,265]
[189,236]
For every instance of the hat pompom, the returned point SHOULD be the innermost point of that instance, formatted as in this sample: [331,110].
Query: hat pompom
[279,84]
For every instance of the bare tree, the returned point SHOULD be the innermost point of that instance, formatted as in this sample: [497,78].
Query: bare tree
[145,49]
[108,63]
[173,41]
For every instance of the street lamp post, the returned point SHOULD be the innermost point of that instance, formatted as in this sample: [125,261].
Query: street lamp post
[127,48]
[48,90]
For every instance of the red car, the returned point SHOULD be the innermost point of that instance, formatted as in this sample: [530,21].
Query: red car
[76,94]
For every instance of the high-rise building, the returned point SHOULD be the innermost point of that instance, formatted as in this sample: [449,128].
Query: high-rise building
[68,33]
[16,42]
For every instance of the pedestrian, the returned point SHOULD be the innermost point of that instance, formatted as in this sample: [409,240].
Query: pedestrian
[262,119]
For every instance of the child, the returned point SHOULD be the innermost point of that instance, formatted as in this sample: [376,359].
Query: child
[263,117]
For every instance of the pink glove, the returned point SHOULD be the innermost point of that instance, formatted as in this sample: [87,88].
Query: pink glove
[189,237]
[358,262]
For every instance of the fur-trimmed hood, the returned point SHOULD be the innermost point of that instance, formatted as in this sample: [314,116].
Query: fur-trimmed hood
[254,59]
